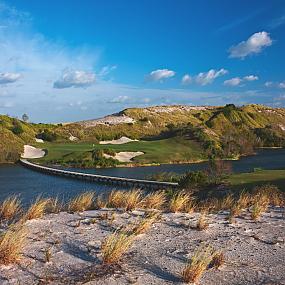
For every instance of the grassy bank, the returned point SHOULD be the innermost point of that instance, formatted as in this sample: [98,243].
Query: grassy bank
[251,179]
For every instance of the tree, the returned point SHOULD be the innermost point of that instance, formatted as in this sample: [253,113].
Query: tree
[25,117]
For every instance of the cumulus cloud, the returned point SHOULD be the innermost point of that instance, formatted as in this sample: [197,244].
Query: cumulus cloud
[253,45]
[233,81]
[7,77]
[186,79]
[74,78]
[250,78]
[160,75]
[282,84]
[204,78]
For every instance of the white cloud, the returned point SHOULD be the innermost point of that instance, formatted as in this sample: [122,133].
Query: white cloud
[160,74]
[105,70]
[74,78]
[186,79]
[282,84]
[7,77]
[253,45]
[119,99]
[250,78]
[204,78]
[233,81]
[268,83]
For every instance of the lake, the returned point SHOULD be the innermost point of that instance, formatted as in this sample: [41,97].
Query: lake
[15,179]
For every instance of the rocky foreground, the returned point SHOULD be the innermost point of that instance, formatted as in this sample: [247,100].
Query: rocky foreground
[66,249]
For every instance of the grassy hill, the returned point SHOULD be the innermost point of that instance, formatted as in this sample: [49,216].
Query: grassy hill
[198,132]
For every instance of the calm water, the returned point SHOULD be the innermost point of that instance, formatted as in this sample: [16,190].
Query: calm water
[15,179]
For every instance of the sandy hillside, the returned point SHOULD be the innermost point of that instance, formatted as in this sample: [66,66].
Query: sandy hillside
[121,140]
[254,251]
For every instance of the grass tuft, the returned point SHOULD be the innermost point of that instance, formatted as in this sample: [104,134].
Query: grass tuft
[116,199]
[197,265]
[12,243]
[10,207]
[37,210]
[132,199]
[178,202]
[202,223]
[218,259]
[82,202]
[155,200]
[115,246]
[146,223]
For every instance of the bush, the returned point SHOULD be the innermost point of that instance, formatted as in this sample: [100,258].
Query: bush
[193,179]
[17,128]
[47,135]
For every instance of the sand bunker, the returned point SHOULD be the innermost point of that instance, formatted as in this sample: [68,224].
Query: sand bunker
[125,156]
[73,138]
[39,140]
[32,152]
[121,140]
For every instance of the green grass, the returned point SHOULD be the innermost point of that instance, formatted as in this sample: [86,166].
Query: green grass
[251,179]
[158,151]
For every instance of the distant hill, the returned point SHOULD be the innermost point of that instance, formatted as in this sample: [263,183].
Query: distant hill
[226,130]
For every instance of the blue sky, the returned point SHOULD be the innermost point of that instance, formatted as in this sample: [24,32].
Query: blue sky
[73,60]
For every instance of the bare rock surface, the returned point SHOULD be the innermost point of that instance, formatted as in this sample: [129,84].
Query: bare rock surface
[254,251]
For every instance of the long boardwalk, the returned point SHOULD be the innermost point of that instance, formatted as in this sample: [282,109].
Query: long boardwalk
[122,181]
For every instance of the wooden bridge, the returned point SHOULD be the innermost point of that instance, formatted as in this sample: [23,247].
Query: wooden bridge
[113,180]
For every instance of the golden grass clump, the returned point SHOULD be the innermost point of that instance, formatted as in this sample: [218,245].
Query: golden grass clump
[12,243]
[202,223]
[101,202]
[197,265]
[257,209]
[132,199]
[54,205]
[155,200]
[37,210]
[218,259]
[116,199]
[10,207]
[82,202]
[227,202]
[115,246]
[178,202]
[269,194]
[145,223]
[244,200]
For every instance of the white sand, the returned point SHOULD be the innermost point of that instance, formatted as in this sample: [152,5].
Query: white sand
[254,251]
[121,140]
[39,140]
[125,156]
[73,138]
[32,152]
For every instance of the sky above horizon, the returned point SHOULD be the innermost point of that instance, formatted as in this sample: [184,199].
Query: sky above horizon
[64,61]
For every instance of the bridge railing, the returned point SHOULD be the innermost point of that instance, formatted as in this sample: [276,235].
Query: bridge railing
[100,178]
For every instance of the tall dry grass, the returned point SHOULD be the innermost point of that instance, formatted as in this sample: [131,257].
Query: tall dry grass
[116,199]
[37,209]
[197,265]
[12,243]
[146,223]
[155,200]
[82,202]
[133,199]
[115,246]
[10,208]
[178,202]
